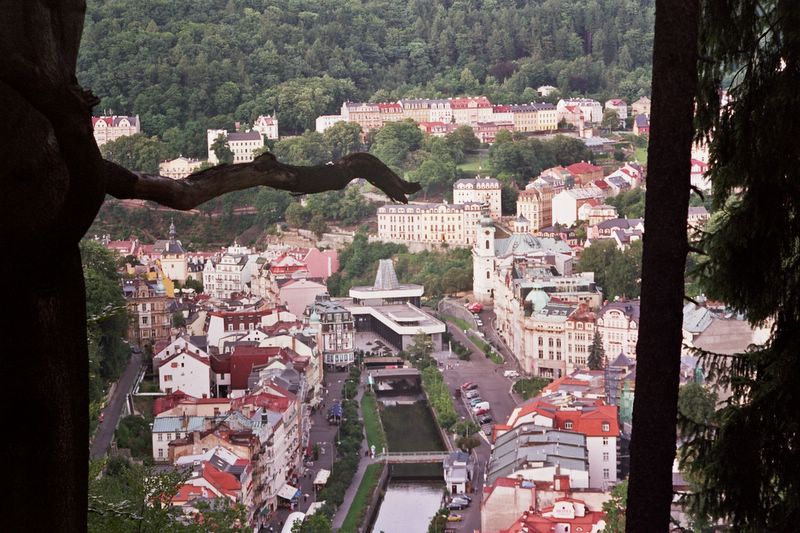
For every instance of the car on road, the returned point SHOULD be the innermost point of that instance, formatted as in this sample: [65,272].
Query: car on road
[485,419]
[511,374]
[457,505]
[469,386]
[463,501]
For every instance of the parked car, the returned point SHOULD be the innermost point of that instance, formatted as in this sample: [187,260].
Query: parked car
[456,499]
[472,394]
[478,411]
[511,374]
[462,497]
[475,401]
[481,405]
[469,386]
[457,505]
[479,322]
[487,430]
[485,419]
[454,518]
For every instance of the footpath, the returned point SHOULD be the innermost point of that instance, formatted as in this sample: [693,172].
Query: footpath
[363,463]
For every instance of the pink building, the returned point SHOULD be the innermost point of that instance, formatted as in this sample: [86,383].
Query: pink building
[297,294]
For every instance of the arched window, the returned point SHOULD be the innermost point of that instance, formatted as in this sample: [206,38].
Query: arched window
[488,274]
[487,244]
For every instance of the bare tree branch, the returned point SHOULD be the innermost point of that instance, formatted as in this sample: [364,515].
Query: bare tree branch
[202,186]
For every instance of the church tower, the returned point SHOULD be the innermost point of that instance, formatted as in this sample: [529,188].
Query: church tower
[483,255]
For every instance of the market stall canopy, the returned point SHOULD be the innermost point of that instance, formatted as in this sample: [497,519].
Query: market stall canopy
[289,492]
[322,477]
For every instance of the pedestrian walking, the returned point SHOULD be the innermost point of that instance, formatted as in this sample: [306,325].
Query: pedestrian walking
[305,497]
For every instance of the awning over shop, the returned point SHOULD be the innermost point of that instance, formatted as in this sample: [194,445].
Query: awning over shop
[322,477]
[314,507]
[289,492]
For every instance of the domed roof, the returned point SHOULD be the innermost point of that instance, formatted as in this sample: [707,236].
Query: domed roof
[538,299]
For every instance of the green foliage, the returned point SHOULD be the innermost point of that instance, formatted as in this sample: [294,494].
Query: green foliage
[615,509]
[178,320]
[465,428]
[343,138]
[136,152]
[438,394]
[133,433]
[439,521]
[617,272]
[422,348]
[508,200]
[629,204]
[121,500]
[351,436]
[271,205]
[317,225]
[521,158]
[372,423]
[696,404]
[529,387]
[610,120]
[395,141]
[184,69]
[745,464]
[222,149]
[597,354]
[358,509]
[309,149]
[195,284]
[468,443]
[442,272]
[316,523]
[107,319]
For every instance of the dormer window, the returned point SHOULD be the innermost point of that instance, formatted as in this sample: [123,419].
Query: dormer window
[606,426]
[568,424]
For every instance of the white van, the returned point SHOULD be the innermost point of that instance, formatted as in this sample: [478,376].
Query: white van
[480,406]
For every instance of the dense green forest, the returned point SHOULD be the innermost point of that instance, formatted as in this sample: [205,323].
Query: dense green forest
[441,272]
[185,67]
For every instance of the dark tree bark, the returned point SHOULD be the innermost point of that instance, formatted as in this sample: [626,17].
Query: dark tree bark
[663,262]
[54,182]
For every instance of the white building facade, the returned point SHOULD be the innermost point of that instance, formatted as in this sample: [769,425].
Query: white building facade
[479,190]
[243,145]
[111,128]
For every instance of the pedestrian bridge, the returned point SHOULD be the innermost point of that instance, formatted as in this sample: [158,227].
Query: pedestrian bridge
[410,457]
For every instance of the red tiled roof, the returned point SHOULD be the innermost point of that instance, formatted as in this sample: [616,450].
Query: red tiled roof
[183,351]
[223,481]
[583,168]
[272,402]
[565,380]
[590,423]
[244,358]
[601,184]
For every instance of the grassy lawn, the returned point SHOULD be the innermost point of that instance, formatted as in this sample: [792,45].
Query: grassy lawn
[460,322]
[641,155]
[355,515]
[486,348]
[530,387]
[372,423]
[474,163]
[144,405]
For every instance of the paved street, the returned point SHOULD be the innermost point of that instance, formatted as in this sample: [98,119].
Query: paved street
[321,432]
[494,388]
[112,411]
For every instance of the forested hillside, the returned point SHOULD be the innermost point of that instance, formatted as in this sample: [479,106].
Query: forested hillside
[185,66]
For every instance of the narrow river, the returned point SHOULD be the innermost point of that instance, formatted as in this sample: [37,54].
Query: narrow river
[408,506]
[414,492]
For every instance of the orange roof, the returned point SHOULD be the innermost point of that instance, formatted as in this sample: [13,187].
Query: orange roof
[583,168]
[222,481]
[590,423]
[565,380]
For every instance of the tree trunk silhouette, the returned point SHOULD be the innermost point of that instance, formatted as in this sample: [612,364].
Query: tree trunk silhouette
[54,182]
[663,262]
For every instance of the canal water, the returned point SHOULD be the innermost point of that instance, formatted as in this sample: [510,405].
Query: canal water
[414,492]
[408,506]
